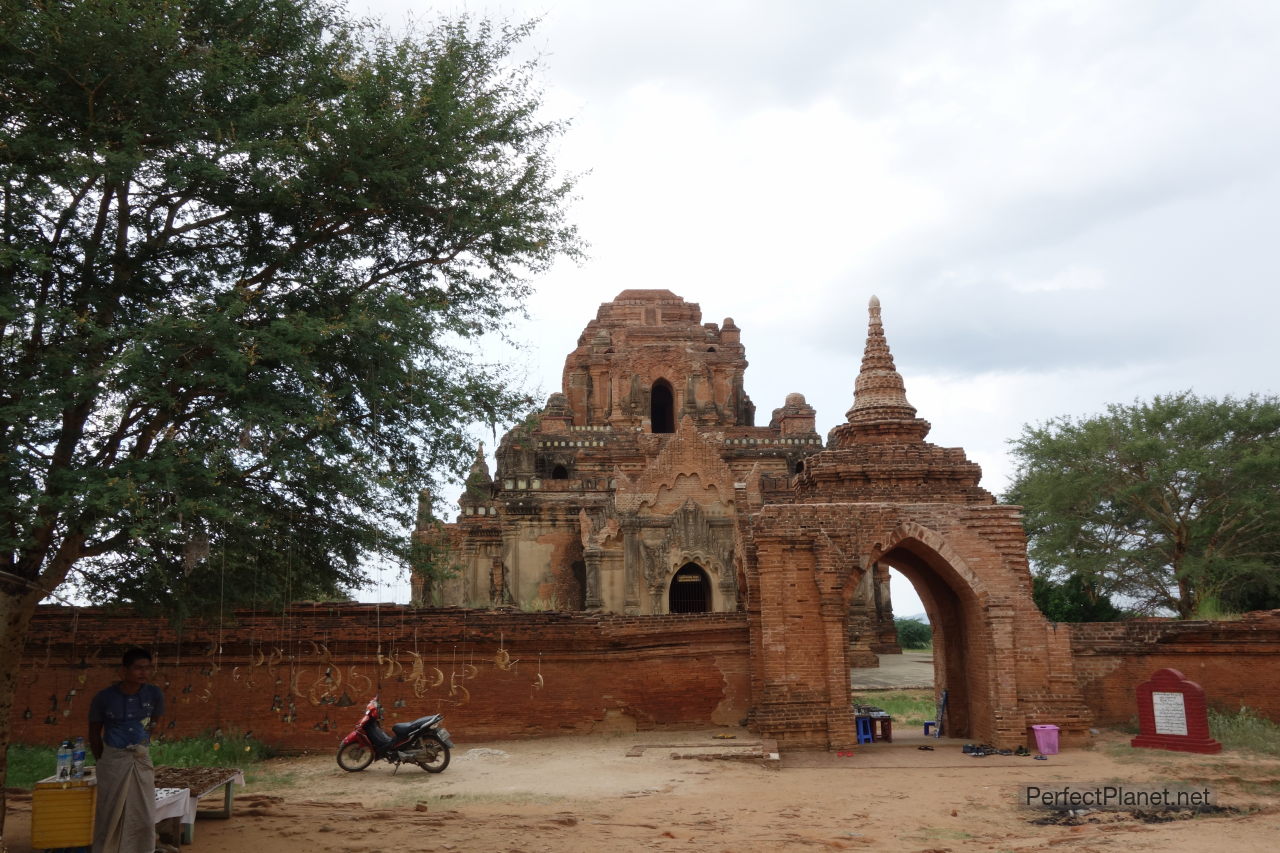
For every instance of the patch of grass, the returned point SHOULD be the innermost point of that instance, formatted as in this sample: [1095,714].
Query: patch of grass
[1245,730]
[909,707]
[209,751]
[29,764]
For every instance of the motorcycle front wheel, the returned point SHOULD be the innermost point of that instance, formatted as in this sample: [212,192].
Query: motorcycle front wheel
[355,756]
[435,754]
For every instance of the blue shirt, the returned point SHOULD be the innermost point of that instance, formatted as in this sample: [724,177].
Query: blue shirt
[125,717]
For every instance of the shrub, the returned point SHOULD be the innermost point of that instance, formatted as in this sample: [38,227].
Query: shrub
[914,634]
[1245,730]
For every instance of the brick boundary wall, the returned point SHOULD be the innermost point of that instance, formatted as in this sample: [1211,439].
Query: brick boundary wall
[263,673]
[1237,662]
[599,673]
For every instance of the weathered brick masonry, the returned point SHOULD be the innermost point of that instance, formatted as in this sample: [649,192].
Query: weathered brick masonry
[1237,663]
[620,495]
[599,673]
[644,488]
[880,495]
[266,672]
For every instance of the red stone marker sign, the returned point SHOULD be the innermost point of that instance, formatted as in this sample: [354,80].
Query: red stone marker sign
[1172,714]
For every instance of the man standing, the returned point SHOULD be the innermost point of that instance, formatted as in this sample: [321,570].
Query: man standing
[121,718]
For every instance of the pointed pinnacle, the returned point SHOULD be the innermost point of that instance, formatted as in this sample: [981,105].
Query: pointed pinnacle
[879,393]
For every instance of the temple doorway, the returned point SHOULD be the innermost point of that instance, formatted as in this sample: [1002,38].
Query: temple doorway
[662,407]
[952,610]
[690,591]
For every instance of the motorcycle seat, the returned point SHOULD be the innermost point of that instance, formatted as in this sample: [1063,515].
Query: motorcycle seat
[402,729]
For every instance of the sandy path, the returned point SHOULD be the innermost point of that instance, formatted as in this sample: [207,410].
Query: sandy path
[586,794]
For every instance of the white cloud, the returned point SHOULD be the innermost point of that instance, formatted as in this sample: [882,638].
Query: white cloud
[1071,278]
[1060,204]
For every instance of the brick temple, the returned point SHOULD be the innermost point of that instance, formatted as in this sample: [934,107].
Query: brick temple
[645,488]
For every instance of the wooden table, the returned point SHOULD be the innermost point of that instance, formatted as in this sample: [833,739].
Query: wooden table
[201,782]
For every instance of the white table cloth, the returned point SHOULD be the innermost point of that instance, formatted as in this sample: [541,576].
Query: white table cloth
[175,802]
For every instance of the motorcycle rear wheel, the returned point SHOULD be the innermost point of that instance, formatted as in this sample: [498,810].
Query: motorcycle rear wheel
[354,757]
[439,760]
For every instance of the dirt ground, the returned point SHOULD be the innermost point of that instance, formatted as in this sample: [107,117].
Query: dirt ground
[627,792]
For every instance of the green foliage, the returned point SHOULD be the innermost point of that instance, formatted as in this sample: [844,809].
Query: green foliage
[211,750]
[907,707]
[913,633]
[247,247]
[29,764]
[1158,503]
[1073,600]
[1245,730]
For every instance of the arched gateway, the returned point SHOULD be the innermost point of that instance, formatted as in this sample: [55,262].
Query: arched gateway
[881,494]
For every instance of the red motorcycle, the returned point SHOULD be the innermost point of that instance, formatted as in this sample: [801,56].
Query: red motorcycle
[423,742]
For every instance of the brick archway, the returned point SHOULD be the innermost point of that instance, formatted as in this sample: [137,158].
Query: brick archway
[880,493]
[954,601]
[1004,666]
[954,597]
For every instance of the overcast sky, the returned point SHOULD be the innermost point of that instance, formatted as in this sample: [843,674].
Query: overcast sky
[1059,204]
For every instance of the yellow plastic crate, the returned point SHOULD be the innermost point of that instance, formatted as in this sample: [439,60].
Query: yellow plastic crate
[62,814]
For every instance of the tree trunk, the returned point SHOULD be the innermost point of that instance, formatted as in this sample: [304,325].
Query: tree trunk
[1186,590]
[17,604]
[1186,599]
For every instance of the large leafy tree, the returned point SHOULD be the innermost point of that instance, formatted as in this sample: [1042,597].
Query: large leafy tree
[1073,600]
[246,248]
[1171,505]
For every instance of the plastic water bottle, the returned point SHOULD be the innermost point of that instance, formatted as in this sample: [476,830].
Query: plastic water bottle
[64,761]
[77,759]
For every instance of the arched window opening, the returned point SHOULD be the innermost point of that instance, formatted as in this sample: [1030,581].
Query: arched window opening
[662,407]
[690,591]
[800,466]
[711,349]
[559,473]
